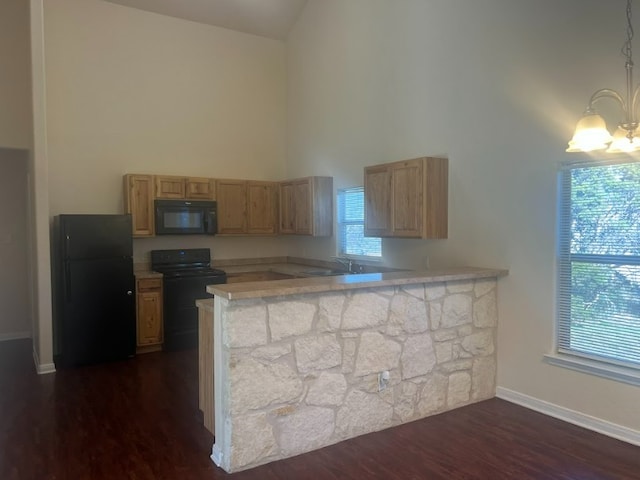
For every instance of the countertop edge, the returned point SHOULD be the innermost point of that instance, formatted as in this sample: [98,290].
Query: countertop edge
[274,288]
[141,274]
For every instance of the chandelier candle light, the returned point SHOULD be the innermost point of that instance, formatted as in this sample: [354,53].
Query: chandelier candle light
[591,131]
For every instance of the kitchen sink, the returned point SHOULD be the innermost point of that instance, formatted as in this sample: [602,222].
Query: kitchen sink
[324,273]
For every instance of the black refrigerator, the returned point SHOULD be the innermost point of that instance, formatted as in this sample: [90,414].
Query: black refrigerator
[93,289]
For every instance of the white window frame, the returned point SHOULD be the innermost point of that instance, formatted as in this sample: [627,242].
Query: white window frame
[340,247]
[563,355]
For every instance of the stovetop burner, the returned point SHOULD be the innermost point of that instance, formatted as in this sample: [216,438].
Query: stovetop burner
[194,262]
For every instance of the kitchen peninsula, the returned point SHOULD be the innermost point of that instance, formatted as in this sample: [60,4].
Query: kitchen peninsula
[304,363]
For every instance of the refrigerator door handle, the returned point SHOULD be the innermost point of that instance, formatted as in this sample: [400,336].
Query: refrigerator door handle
[67,281]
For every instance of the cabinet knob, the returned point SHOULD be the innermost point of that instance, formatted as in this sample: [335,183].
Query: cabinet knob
[129,292]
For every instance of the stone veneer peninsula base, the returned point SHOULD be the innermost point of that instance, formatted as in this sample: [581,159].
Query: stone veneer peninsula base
[297,362]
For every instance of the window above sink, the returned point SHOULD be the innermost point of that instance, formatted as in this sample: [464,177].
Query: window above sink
[351,241]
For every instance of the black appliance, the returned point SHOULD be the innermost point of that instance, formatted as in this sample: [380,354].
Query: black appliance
[186,274]
[185,217]
[93,285]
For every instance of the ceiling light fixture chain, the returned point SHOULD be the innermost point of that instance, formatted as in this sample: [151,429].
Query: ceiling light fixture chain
[591,133]
[626,48]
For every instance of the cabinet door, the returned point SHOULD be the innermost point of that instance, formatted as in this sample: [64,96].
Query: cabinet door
[200,188]
[436,197]
[303,214]
[232,206]
[377,201]
[149,317]
[170,187]
[407,191]
[287,208]
[261,207]
[321,206]
[138,201]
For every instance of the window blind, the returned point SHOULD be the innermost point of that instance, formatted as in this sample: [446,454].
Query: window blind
[598,306]
[351,239]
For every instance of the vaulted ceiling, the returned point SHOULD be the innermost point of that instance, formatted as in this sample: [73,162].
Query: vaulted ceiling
[267,18]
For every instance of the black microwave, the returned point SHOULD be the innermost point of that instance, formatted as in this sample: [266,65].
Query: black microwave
[184,217]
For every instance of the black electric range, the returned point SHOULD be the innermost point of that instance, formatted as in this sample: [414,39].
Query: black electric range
[186,274]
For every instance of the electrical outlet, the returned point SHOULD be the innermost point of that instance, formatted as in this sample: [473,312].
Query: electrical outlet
[383,380]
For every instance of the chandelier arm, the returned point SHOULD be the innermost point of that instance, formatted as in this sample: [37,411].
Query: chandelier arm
[634,102]
[607,93]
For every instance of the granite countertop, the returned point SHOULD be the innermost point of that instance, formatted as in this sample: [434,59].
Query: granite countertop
[146,274]
[294,269]
[294,286]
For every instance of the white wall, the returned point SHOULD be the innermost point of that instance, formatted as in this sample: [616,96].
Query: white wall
[38,202]
[130,91]
[14,298]
[117,90]
[495,85]
[15,88]
[15,140]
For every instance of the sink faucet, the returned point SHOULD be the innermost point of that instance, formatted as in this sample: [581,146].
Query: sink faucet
[346,263]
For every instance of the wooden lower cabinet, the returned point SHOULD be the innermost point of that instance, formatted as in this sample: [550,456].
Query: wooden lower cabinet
[206,390]
[149,331]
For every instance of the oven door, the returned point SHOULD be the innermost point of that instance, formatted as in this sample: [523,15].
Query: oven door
[179,309]
[175,217]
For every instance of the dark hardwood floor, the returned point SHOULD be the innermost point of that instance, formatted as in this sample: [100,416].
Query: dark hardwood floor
[139,420]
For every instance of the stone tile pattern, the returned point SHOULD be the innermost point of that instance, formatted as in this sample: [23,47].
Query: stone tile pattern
[303,370]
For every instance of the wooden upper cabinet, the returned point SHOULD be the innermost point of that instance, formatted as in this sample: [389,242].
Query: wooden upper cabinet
[407,199]
[377,209]
[198,188]
[190,188]
[262,207]
[138,201]
[247,207]
[302,191]
[287,208]
[232,206]
[306,206]
[170,187]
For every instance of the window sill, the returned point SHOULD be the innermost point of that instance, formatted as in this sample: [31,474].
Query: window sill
[364,259]
[593,367]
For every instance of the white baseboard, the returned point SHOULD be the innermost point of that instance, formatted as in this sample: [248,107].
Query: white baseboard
[14,336]
[42,368]
[216,455]
[571,416]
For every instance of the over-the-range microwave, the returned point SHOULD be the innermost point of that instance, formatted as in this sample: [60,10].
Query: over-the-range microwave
[186,217]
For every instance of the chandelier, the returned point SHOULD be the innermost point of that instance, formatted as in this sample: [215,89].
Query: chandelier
[591,131]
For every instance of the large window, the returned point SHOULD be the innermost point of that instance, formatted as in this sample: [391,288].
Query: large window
[599,263]
[351,239]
